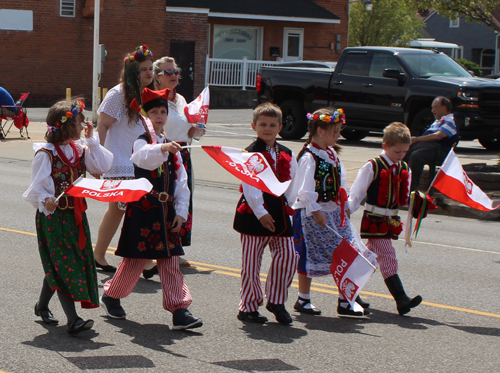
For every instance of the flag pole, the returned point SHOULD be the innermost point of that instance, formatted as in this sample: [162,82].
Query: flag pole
[435,176]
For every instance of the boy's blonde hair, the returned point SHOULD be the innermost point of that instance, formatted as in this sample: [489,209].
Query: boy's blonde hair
[269,110]
[396,133]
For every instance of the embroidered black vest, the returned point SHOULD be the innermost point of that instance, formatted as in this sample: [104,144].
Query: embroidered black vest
[388,185]
[327,178]
[63,175]
[247,222]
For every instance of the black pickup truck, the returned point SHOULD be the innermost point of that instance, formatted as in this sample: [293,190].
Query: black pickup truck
[379,85]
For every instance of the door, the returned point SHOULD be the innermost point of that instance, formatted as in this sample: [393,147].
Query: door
[183,52]
[383,98]
[293,44]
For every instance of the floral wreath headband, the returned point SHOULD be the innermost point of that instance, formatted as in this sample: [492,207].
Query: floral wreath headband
[140,51]
[338,116]
[77,106]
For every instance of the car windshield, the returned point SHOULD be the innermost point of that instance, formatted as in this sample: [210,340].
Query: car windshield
[426,65]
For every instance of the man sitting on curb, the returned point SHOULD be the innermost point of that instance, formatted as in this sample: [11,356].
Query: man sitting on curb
[442,133]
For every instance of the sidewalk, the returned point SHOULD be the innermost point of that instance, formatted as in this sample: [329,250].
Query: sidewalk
[352,156]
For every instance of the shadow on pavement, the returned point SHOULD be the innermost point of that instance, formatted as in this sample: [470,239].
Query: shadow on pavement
[257,365]
[273,332]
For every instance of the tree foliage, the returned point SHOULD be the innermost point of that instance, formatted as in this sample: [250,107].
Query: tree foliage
[473,10]
[389,23]
[469,65]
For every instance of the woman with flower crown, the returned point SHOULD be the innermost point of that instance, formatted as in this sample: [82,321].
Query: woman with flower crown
[119,126]
[318,193]
[62,228]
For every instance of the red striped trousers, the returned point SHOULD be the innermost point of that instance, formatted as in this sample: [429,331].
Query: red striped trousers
[175,291]
[386,255]
[284,261]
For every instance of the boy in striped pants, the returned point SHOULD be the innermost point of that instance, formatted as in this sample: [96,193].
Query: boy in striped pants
[385,182]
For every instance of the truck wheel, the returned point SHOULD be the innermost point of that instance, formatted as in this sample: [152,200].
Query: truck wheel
[421,122]
[353,135]
[492,143]
[294,120]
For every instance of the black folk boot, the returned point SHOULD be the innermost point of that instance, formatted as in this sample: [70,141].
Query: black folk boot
[404,302]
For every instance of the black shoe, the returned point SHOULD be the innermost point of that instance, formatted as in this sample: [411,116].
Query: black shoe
[148,273]
[254,317]
[46,316]
[105,268]
[310,311]
[344,309]
[282,315]
[112,307]
[403,302]
[362,303]
[79,326]
[183,319]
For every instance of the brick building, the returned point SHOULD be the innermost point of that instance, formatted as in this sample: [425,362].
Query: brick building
[50,43]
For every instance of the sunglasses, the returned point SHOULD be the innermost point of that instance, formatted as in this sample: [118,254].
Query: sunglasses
[170,72]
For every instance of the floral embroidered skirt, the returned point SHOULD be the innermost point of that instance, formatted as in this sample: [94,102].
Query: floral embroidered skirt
[316,244]
[185,231]
[66,267]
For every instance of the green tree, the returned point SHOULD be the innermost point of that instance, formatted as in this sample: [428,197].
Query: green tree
[473,10]
[389,23]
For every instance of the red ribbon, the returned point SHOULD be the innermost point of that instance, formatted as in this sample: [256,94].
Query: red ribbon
[79,209]
[341,199]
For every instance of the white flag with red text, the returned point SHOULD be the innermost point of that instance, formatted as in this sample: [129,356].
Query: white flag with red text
[454,182]
[110,190]
[351,271]
[251,168]
[197,110]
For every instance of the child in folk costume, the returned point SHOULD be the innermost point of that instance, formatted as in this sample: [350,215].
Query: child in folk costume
[385,182]
[264,219]
[62,228]
[151,226]
[321,202]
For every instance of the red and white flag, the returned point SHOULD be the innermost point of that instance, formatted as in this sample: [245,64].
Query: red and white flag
[453,182]
[251,168]
[197,111]
[351,271]
[110,190]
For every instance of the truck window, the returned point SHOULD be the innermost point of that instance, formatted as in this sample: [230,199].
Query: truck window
[428,65]
[382,61]
[355,64]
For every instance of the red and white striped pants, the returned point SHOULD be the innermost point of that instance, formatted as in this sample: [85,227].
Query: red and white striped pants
[175,291]
[386,255]
[283,267]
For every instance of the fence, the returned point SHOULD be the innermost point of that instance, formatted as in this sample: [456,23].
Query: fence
[233,73]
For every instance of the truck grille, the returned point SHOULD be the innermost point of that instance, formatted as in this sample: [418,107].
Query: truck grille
[489,104]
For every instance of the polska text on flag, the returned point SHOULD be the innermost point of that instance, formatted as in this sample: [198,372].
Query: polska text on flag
[351,271]
[251,168]
[197,110]
[110,190]
[454,182]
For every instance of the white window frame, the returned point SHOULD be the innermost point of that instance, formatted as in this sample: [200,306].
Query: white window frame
[67,8]
[289,30]
[455,23]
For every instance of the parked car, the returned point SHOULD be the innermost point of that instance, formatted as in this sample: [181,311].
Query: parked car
[379,85]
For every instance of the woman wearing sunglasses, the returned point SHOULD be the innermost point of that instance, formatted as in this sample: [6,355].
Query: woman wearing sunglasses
[178,129]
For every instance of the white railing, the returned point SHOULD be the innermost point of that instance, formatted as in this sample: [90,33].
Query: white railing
[233,73]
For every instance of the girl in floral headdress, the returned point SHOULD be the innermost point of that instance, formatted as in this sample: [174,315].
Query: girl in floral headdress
[319,191]
[62,228]
[119,126]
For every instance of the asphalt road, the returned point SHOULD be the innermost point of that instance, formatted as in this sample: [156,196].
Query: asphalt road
[454,265]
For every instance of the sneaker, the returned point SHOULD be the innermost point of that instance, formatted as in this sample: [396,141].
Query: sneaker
[183,262]
[302,308]
[148,273]
[183,319]
[344,309]
[280,312]
[112,307]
